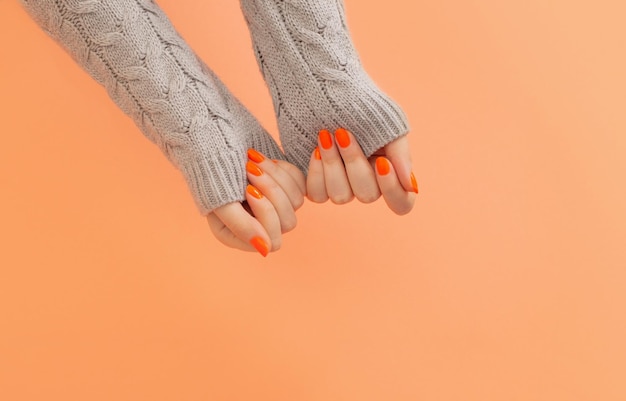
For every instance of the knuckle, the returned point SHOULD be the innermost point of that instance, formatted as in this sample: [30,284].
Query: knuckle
[334,160]
[403,209]
[276,244]
[317,198]
[368,197]
[341,199]
[270,186]
[350,157]
[289,224]
[298,202]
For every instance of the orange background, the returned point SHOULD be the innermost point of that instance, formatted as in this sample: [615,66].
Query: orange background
[507,282]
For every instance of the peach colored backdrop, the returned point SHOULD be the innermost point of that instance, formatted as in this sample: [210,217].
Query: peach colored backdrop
[507,282]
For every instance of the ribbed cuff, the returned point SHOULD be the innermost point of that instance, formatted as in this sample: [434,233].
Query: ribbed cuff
[216,179]
[371,116]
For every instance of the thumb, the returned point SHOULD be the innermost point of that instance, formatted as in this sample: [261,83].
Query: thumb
[398,152]
[234,227]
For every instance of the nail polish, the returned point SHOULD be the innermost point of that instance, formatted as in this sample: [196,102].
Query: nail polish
[382,166]
[254,169]
[260,245]
[343,138]
[317,154]
[414,183]
[325,139]
[255,156]
[252,190]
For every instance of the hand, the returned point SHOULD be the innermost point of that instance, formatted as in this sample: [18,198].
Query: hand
[340,171]
[275,192]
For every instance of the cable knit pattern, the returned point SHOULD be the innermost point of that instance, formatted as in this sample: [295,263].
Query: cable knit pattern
[131,48]
[315,77]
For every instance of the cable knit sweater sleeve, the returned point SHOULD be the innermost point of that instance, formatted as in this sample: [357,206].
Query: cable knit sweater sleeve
[131,48]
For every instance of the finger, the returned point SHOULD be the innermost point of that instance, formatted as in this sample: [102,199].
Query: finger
[294,172]
[275,194]
[360,173]
[290,185]
[335,177]
[398,200]
[315,184]
[398,152]
[264,211]
[234,227]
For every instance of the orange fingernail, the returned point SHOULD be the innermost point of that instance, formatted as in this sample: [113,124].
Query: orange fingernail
[382,166]
[275,161]
[255,156]
[260,245]
[343,138]
[325,139]
[252,190]
[414,183]
[318,155]
[253,169]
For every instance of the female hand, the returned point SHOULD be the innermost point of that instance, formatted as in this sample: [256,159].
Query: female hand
[275,192]
[340,171]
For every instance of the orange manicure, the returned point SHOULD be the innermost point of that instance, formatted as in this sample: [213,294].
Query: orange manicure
[260,245]
[255,156]
[382,166]
[252,190]
[325,139]
[343,138]
[414,183]
[254,169]
[317,154]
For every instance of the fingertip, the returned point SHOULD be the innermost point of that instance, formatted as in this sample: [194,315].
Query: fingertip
[414,183]
[316,158]
[342,136]
[325,139]
[383,166]
[254,169]
[254,191]
[255,155]
[317,198]
[260,245]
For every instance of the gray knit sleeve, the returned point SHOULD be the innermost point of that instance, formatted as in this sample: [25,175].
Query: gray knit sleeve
[316,78]
[132,49]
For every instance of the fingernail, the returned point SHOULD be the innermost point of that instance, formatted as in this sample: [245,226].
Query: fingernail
[253,169]
[382,166]
[325,139]
[317,154]
[414,183]
[252,190]
[343,138]
[259,245]
[275,161]
[255,156]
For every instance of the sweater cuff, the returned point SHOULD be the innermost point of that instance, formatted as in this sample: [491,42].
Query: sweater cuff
[370,115]
[216,179]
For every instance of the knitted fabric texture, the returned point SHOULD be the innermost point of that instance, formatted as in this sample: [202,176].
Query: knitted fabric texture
[315,77]
[132,49]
